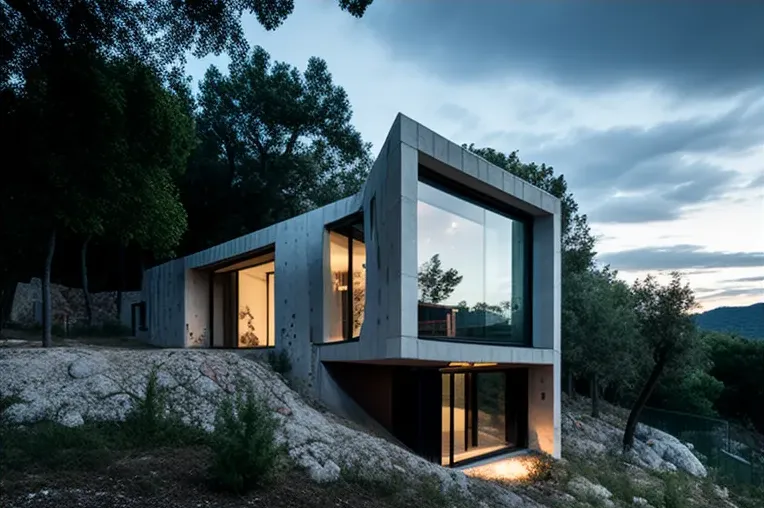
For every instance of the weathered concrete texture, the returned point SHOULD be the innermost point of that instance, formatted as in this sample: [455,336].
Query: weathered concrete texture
[70,385]
[543,398]
[164,291]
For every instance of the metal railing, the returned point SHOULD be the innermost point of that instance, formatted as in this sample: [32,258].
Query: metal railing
[736,453]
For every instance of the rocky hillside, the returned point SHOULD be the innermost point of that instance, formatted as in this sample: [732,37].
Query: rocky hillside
[71,385]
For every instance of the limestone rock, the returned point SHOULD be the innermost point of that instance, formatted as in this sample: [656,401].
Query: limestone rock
[581,487]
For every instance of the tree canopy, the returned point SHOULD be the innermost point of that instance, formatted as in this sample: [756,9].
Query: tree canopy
[274,142]
[159,31]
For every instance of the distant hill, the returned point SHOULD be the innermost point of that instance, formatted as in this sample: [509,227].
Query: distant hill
[744,321]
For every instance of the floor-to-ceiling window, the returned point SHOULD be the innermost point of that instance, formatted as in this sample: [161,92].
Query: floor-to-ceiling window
[242,304]
[477,418]
[474,270]
[347,298]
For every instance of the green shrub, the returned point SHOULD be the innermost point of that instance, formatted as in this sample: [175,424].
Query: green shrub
[151,423]
[243,443]
[279,361]
[675,491]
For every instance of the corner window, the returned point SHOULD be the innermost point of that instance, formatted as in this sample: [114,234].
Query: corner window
[474,270]
[347,264]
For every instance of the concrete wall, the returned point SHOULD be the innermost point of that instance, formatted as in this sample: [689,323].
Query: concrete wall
[544,399]
[164,291]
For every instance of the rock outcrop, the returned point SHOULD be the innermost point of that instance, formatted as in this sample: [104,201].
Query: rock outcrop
[71,385]
[653,449]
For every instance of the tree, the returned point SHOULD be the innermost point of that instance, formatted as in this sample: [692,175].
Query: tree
[101,144]
[436,284]
[274,143]
[157,31]
[602,330]
[738,364]
[667,332]
[145,206]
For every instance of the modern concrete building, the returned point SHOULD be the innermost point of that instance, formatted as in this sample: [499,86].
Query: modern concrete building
[429,301]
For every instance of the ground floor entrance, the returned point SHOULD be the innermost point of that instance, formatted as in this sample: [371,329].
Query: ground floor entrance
[482,413]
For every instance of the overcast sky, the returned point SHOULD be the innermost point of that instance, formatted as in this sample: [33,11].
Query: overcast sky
[653,111]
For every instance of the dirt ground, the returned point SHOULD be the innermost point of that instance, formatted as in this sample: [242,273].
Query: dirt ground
[33,338]
[168,478]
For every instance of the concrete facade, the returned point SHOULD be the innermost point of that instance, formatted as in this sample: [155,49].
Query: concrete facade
[178,293]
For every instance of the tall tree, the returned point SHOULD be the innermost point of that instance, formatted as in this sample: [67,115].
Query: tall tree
[667,331]
[101,143]
[145,207]
[602,330]
[435,283]
[274,142]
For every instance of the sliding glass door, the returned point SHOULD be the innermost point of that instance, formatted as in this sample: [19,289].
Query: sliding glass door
[482,413]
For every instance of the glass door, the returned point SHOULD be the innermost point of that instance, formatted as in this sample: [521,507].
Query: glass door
[476,418]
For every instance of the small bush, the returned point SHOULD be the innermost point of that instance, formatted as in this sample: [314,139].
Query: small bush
[279,361]
[675,492]
[243,443]
[541,467]
[50,445]
[150,422]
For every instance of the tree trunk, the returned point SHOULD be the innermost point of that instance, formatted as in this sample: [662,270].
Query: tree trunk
[47,308]
[85,292]
[595,394]
[639,404]
[570,383]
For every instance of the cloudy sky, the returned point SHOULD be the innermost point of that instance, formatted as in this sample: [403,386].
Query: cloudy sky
[653,111]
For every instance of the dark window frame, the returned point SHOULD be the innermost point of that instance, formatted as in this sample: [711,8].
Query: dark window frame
[347,228]
[443,184]
[516,410]
[230,304]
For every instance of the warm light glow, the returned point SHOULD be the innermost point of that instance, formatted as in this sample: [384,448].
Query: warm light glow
[511,469]
[468,364]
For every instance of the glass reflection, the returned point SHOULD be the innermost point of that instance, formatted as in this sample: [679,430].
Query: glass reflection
[472,280]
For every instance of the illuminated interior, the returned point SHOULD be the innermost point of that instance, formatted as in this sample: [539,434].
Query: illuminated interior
[243,303]
[475,417]
[255,326]
[347,300]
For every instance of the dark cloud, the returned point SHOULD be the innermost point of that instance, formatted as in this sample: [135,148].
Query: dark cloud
[687,46]
[758,278]
[730,293]
[635,175]
[679,257]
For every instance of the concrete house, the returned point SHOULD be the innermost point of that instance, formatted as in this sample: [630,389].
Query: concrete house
[428,303]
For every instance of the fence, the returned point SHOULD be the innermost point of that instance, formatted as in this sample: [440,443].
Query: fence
[737,454]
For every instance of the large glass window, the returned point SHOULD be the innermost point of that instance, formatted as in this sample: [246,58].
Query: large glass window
[473,272]
[475,417]
[242,304]
[256,317]
[347,262]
